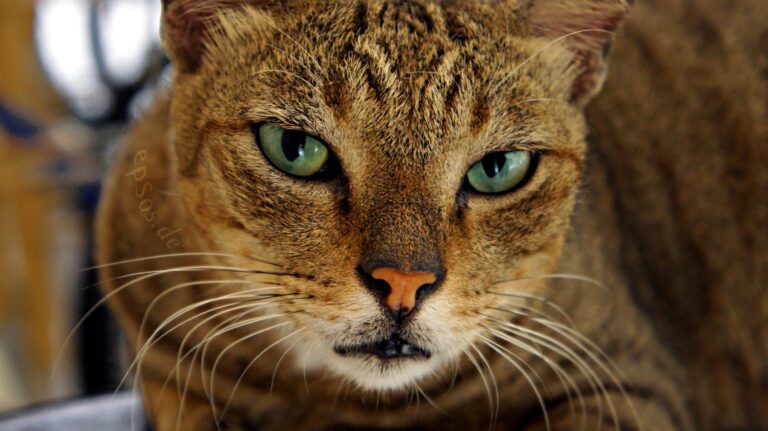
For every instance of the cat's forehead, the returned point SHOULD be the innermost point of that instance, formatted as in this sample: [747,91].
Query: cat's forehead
[407,38]
[389,74]
[415,69]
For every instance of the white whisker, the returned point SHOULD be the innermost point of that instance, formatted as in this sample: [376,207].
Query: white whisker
[514,71]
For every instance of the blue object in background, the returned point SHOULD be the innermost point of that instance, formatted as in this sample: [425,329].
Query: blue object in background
[17,126]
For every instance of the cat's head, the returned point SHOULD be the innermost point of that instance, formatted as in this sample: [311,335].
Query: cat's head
[399,158]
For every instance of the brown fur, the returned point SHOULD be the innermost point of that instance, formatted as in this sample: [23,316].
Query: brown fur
[670,219]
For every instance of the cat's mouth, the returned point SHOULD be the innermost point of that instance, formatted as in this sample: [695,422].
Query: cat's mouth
[394,347]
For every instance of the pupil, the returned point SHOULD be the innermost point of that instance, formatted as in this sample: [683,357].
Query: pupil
[492,164]
[292,143]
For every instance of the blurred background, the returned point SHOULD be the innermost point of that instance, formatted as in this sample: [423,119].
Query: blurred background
[73,73]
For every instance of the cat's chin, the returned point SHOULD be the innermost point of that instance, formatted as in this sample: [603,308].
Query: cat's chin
[371,372]
[368,372]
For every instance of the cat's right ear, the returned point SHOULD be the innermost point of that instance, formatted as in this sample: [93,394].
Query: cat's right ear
[186,24]
[184,30]
[585,27]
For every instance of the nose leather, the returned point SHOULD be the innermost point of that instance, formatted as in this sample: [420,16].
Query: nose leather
[403,287]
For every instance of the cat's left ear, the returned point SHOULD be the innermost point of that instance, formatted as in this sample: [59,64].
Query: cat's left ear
[186,23]
[587,28]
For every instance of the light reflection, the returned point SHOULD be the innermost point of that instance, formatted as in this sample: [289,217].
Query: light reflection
[92,49]
[65,49]
[128,30]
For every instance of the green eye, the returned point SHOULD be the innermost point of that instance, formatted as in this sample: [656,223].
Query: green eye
[293,152]
[501,172]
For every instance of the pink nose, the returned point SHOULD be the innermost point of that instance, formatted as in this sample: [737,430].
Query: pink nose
[403,287]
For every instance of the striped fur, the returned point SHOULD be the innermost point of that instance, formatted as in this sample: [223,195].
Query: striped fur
[619,289]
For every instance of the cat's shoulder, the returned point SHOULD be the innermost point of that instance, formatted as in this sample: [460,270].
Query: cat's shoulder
[681,131]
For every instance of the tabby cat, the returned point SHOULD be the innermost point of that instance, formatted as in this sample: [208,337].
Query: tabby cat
[407,214]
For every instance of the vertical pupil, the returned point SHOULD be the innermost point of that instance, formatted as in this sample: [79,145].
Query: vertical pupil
[292,143]
[492,164]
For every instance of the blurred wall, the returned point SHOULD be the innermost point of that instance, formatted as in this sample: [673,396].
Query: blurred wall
[49,183]
[23,83]
[37,227]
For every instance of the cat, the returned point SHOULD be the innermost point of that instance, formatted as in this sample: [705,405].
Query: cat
[391,214]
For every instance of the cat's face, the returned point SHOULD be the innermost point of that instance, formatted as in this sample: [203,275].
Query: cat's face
[402,100]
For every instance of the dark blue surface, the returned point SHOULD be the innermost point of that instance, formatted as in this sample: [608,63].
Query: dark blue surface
[16,125]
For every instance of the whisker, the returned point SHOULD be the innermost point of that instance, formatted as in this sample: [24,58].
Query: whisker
[338,392]
[526,365]
[306,51]
[568,384]
[170,255]
[598,356]
[218,283]
[538,100]
[226,326]
[538,52]
[250,364]
[511,359]
[196,350]
[566,381]
[417,397]
[279,361]
[295,75]
[250,308]
[556,276]
[147,275]
[309,71]
[229,347]
[545,301]
[423,394]
[566,352]
[304,367]
[495,415]
[491,405]
[142,349]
